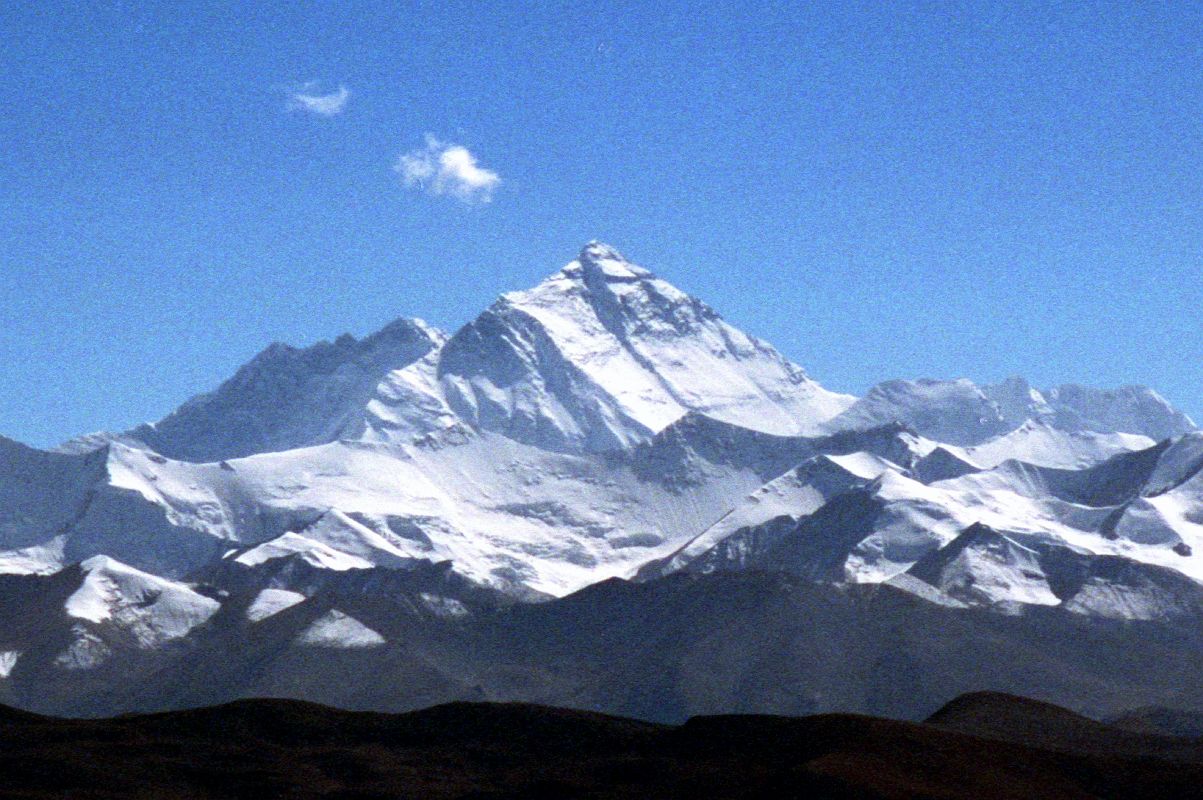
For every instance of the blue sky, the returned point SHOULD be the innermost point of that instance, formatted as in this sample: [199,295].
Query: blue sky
[881,190]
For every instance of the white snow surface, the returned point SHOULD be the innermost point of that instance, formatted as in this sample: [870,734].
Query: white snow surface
[339,631]
[993,569]
[154,609]
[954,412]
[503,512]
[1043,445]
[270,602]
[798,493]
[311,552]
[599,356]
[287,397]
[915,520]
[1181,461]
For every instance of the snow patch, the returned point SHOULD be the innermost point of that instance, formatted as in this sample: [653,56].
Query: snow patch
[86,651]
[153,609]
[308,550]
[446,607]
[337,630]
[270,602]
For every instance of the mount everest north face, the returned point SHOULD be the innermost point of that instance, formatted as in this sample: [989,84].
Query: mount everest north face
[598,493]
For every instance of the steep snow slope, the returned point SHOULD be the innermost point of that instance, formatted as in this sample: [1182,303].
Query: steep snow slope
[269,602]
[407,403]
[502,512]
[984,566]
[153,609]
[846,462]
[339,631]
[1180,461]
[42,495]
[600,356]
[797,494]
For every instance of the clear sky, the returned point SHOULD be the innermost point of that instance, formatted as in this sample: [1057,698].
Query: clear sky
[881,190]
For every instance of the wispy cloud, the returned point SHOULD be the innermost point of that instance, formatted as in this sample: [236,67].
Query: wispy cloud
[442,168]
[307,98]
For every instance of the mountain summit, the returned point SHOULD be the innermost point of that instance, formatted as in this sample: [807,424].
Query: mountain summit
[603,354]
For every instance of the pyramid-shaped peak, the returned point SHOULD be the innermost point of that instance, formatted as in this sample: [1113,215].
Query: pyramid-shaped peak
[603,354]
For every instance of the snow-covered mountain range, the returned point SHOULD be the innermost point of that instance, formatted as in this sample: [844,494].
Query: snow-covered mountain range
[601,425]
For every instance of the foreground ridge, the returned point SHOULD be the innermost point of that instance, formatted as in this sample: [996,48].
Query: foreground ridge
[976,748]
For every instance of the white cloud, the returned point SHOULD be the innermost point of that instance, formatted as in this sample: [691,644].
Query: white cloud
[327,105]
[442,168]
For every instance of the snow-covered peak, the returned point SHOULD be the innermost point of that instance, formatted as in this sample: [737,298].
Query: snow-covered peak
[336,542]
[601,423]
[798,493]
[288,397]
[984,566]
[594,251]
[1181,461]
[603,354]
[954,412]
[312,552]
[339,631]
[603,282]
[270,602]
[1128,409]
[154,609]
[959,412]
